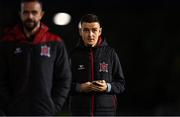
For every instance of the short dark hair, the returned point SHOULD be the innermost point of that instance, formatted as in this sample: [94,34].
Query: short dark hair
[39,1]
[90,18]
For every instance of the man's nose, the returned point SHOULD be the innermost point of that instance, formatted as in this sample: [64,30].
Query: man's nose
[90,33]
[30,15]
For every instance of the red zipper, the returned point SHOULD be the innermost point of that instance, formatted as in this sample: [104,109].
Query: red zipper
[115,102]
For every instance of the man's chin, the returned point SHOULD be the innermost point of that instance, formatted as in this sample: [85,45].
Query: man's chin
[29,27]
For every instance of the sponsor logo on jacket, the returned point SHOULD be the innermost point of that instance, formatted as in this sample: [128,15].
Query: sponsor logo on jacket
[17,50]
[81,67]
[103,67]
[45,51]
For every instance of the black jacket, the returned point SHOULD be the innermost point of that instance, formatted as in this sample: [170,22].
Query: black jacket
[95,63]
[35,77]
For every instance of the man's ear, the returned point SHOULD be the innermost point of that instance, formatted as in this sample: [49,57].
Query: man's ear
[80,31]
[20,14]
[100,31]
[42,14]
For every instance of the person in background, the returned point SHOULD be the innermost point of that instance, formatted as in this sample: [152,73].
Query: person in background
[35,74]
[97,75]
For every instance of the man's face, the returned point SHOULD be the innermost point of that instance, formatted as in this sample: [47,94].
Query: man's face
[31,14]
[90,33]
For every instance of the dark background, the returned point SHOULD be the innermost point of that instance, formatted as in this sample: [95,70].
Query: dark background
[146,36]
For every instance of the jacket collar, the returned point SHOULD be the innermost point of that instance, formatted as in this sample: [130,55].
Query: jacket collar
[16,33]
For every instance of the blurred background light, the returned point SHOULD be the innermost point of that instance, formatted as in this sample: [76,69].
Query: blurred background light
[62,19]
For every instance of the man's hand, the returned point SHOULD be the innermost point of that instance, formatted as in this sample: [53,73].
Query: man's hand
[99,86]
[86,87]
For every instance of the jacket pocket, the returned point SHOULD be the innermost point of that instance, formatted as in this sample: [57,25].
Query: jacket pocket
[80,102]
[105,103]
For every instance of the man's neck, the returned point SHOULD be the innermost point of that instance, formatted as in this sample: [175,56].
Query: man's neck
[88,45]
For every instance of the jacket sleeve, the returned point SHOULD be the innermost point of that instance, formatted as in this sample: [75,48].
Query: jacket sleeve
[118,81]
[3,79]
[62,78]
[75,86]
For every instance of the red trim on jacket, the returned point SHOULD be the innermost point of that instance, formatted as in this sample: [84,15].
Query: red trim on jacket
[99,43]
[16,34]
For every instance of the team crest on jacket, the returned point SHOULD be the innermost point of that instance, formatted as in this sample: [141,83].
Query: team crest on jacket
[103,67]
[45,51]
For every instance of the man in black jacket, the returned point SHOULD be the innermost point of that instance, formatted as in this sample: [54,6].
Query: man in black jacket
[96,72]
[35,75]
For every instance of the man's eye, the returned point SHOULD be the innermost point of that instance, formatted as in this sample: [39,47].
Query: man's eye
[85,30]
[34,12]
[25,12]
[94,30]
